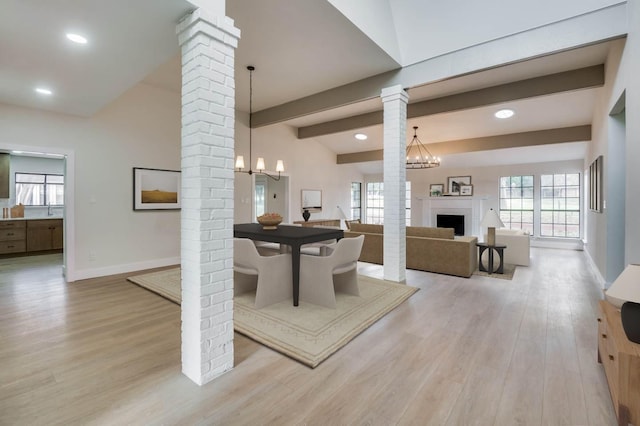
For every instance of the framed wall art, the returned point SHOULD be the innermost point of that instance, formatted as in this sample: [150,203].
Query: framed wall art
[311,200]
[454,183]
[595,185]
[466,190]
[436,189]
[156,189]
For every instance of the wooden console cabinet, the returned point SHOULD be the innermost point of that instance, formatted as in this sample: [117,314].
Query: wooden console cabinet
[319,222]
[12,236]
[621,361]
[44,234]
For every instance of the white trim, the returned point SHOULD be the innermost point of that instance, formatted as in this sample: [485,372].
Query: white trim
[129,267]
[594,268]
[69,266]
[558,243]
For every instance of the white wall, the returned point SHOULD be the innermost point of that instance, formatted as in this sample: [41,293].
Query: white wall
[622,70]
[309,165]
[139,129]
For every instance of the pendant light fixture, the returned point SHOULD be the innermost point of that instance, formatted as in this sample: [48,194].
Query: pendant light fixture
[418,156]
[260,163]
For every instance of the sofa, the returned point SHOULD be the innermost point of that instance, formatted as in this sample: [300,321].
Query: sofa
[518,246]
[428,249]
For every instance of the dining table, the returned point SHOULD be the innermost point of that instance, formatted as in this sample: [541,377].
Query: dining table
[293,236]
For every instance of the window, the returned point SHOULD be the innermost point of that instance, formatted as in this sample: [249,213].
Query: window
[356,201]
[516,202]
[36,189]
[560,205]
[375,203]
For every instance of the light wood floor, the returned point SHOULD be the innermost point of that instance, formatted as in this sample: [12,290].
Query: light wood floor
[478,351]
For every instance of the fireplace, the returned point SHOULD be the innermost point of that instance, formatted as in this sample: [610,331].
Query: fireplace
[454,221]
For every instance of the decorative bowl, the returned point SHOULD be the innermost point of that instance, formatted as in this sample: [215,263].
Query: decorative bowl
[269,220]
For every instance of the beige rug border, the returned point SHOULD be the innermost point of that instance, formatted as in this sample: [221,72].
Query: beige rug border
[314,359]
[509,273]
[401,292]
[146,281]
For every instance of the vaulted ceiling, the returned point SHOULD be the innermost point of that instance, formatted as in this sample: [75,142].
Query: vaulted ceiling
[299,49]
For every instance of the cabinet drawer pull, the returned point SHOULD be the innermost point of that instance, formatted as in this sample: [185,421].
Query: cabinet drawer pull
[604,336]
[599,319]
[9,234]
[11,246]
[611,357]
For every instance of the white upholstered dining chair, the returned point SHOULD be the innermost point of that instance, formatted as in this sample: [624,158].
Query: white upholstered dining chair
[269,276]
[322,276]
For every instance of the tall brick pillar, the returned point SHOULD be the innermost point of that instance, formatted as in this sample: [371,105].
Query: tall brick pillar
[208,98]
[395,101]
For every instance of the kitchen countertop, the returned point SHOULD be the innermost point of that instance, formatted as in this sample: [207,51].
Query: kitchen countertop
[31,218]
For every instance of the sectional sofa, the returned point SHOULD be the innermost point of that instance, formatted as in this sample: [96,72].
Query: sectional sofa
[428,249]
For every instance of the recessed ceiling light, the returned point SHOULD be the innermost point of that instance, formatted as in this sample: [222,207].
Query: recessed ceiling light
[504,113]
[361,136]
[43,91]
[76,38]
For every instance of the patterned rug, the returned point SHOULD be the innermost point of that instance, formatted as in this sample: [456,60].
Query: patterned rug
[307,333]
[509,270]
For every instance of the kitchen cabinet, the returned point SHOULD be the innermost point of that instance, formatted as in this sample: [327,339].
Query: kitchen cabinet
[45,234]
[4,175]
[12,236]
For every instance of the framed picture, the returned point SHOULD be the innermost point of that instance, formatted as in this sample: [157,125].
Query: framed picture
[312,200]
[595,185]
[466,189]
[436,189]
[454,182]
[156,189]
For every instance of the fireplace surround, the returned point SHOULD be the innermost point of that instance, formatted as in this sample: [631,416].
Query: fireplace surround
[472,208]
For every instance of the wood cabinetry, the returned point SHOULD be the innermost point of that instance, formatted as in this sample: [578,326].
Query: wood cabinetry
[44,234]
[319,222]
[4,175]
[621,361]
[12,236]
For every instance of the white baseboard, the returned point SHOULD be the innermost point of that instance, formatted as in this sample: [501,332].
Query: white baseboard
[84,274]
[594,268]
[557,243]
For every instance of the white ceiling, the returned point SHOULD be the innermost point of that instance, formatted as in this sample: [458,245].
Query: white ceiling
[298,47]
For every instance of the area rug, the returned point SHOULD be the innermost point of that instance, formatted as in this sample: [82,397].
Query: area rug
[165,283]
[307,333]
[509,270]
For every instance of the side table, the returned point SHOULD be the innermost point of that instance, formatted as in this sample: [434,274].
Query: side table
[499,248]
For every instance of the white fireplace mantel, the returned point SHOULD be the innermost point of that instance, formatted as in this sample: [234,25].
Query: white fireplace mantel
[472,208]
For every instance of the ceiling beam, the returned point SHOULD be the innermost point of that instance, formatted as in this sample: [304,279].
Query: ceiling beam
[582,78]
[513,140]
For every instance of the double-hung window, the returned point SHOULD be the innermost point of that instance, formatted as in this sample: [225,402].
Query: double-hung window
[356,201]
[560,205]
[375,203]
[38,189]
[516,202]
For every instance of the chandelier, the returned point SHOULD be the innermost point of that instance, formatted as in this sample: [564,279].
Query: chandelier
[260,163]
[418,156]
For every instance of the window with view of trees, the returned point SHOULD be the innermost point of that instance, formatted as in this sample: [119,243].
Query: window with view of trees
[356,201]
[375,203]
[516,202]
[37,189]
[560,205]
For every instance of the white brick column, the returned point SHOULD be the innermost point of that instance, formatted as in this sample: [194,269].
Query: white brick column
[395,181]
[208,100]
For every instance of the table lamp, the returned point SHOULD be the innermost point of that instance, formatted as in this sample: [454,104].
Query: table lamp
[627,287]
[492,221]
[341,215]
